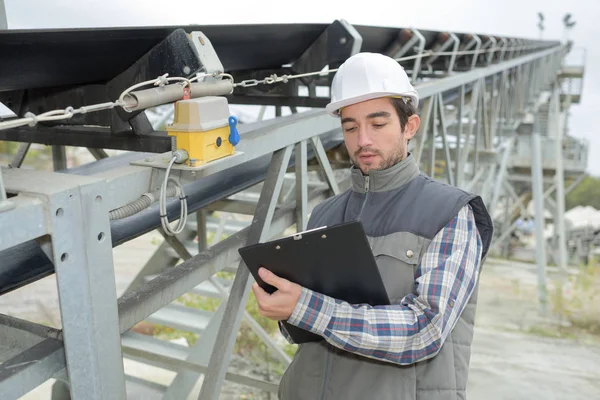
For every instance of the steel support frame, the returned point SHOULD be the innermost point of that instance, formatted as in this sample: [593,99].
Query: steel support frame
[259,232]
[149,297]
[74,217]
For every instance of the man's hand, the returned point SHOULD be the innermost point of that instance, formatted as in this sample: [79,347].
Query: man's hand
[280,304]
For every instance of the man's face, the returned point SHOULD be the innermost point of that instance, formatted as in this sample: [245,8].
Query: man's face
[373,134]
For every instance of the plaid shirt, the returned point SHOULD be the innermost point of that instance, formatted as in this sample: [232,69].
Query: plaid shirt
[415,329]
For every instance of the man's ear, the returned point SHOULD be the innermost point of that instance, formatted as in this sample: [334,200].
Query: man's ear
[412,126]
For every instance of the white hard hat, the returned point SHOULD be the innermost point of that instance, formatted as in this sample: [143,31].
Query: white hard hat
[366,76]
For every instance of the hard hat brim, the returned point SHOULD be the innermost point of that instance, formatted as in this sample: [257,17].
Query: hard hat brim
[334,107]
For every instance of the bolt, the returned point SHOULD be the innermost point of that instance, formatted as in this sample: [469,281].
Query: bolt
[193,162]
[343,40]
[187,70]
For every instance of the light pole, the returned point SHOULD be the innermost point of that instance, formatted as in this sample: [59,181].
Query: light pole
[540,24]
[569,24]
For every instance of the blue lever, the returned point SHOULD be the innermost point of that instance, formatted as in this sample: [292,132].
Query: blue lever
[234,136]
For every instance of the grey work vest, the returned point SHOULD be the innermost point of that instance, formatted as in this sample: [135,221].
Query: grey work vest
[401,211]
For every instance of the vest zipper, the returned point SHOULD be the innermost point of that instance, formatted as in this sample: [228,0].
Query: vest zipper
[366,197]
[325,375]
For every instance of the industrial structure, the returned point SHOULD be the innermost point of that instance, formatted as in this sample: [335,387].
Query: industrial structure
[494,116]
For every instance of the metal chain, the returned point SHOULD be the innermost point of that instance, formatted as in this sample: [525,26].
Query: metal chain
[274,78]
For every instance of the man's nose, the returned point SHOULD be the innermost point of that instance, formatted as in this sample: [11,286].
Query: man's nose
[364,139]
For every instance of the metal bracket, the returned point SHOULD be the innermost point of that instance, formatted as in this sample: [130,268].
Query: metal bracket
[415,37]
[452,39]
[492,43]
[184,172]
[206,54]
[503,51]
[514,44]
[477,40]
[454,51]
[417,65]
[339,41]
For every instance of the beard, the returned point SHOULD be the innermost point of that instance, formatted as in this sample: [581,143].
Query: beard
[386,162]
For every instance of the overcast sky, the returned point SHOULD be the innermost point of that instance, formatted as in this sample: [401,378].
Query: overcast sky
[508,17]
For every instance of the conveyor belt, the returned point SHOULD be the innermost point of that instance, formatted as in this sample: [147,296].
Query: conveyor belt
[55,57]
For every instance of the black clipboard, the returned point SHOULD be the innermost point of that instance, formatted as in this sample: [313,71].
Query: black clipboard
[336,261]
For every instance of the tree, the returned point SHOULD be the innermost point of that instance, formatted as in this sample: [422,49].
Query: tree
[587,193]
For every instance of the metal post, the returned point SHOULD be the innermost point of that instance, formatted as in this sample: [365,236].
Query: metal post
[4,203]
[559,123]
[460,173]
[432,142]
[59,158]
[478,127]
[3,18]
[505,224]
[20,155]
[501,173]
[538,198]
[201,231]
[98,154]
[325,164]
[472,118]
[423,128]
[301,186]
[477,40]
[421,48]
[454,51]
[83,260]
[449,172]
[259,230]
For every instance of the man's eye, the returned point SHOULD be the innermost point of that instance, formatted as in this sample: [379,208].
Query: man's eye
[379,125]
[350,129]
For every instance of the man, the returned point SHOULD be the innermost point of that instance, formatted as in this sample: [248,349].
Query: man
[429,240]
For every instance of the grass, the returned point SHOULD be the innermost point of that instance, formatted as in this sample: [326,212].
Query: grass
[575,303]
[577,300]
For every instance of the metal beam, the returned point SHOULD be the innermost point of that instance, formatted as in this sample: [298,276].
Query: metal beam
[501,173]
[557,122]
[59,158]
[449,171]
[538,198]
[258,233]
[20,155]
[3,17]
[325,165]
[91,137]
[423,131]
[430,88]
[301,186]
[98,154]
[31,368]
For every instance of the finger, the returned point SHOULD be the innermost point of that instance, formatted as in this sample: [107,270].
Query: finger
[272,279]
[259,293]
